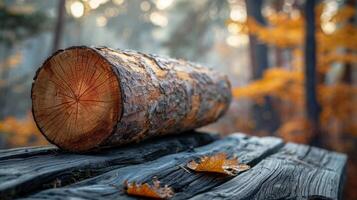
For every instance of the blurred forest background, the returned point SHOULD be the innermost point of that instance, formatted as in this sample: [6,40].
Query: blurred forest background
[292,63]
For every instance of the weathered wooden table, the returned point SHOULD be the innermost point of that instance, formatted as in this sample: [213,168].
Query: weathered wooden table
[279,170]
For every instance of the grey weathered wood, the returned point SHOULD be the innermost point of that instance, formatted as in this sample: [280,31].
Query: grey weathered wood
[27,170]
[279,171]
[169,170]
[24,152]
[295,172]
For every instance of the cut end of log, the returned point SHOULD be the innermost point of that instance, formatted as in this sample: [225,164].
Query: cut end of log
[76,99]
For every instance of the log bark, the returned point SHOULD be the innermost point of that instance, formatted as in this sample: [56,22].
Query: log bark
[84,97]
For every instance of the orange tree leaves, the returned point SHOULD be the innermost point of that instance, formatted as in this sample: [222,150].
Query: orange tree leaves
[218,163]
[286,84]
[297,130]
[146,190]
[277,82]
[287,36]
[21,132]
[339,107]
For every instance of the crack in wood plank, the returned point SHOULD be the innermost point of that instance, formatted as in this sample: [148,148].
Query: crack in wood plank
[24,171]
[248,149]
[279,176]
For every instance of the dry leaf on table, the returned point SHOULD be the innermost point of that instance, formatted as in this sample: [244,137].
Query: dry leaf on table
[146,190]
[218,163]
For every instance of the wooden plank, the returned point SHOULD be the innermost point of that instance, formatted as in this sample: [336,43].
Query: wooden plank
[24,152]
[295,172]
[169,170]
[26,170]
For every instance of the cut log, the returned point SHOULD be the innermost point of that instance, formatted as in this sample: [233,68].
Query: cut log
[26,170]
[86,97]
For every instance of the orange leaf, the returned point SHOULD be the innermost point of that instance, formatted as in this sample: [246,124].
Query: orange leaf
[218,163]
[146,190]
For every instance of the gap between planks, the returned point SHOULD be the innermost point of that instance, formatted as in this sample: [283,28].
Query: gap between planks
[25,171]
[249,150]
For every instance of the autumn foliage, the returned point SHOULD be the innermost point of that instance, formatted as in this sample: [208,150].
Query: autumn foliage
[21,132]
[336,46]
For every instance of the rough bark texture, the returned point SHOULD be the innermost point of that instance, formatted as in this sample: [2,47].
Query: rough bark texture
[278,170]
[156,96]
[163,95]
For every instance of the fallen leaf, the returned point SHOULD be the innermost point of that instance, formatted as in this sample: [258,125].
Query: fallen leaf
[146,190]
[218,163]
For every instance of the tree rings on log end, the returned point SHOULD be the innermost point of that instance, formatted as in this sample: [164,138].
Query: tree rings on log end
[76,99]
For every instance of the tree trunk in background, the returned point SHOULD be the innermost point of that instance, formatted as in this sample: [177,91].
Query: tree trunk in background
[312,106]
[59,25]
[258,51]
[348,71]
[4,76]
[265,116]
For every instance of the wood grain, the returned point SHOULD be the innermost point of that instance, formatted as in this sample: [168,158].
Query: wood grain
[27,171]
[295,172]
[279,171]
[170,170]
[76,99]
